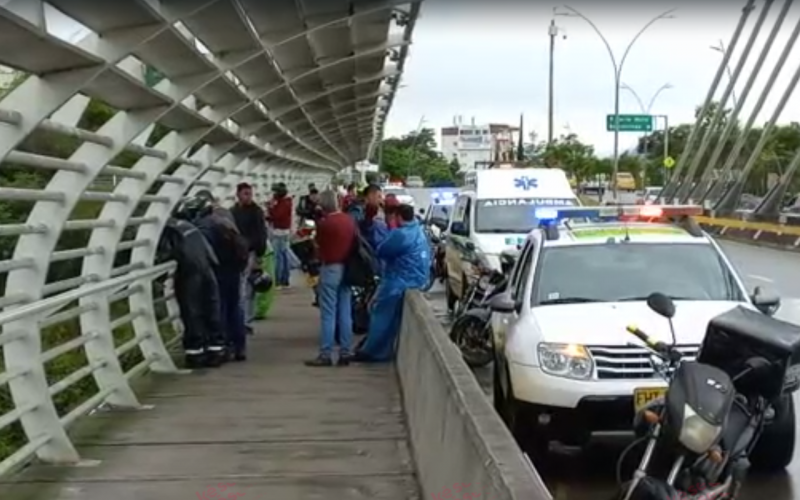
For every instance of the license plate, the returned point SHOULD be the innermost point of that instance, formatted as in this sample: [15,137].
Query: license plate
[643,396]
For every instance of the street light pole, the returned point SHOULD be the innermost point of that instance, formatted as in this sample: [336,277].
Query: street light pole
[617,74]
[722,50]
[647,110]
[553,32]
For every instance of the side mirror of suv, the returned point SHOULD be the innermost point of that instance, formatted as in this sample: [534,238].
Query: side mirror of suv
[767,302]
[502,303]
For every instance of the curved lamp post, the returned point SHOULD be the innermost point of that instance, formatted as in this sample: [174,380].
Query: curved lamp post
[618,65]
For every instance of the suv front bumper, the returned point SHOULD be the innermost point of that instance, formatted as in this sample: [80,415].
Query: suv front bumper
[570,407]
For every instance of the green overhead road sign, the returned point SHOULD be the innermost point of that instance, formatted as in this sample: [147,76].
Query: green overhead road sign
[669,162]
[630,123]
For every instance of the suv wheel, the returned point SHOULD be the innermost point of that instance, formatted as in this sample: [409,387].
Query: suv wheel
[775,448]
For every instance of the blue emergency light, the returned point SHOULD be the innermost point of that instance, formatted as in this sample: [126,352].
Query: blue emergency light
[444,198]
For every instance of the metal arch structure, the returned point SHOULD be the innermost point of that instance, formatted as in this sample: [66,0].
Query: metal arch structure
[248,91]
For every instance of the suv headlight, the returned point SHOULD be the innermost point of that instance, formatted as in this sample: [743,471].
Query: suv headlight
[697,434]
[566,360]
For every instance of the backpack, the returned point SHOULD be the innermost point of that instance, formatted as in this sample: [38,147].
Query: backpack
[361,266]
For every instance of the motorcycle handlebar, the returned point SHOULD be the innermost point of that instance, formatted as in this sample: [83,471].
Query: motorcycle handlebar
[660,347]
[644,337]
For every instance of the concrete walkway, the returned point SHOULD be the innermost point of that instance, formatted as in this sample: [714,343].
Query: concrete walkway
[271,428]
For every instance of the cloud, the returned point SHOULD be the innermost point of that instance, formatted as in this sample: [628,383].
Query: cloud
[493,64]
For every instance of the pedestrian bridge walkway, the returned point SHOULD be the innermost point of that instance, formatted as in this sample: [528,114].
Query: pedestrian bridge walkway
[267,428]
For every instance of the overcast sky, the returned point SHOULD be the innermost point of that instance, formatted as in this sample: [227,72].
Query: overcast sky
[489,60]
[493,65]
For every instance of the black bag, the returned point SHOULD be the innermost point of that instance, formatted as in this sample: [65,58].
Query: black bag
[360,268]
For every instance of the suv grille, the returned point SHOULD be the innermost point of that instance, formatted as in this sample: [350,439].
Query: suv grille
[616,362]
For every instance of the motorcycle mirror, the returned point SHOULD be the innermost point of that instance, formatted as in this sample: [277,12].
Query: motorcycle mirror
[661,304]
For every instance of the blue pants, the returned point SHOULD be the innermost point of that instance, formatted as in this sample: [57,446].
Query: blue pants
[335,310]
[384,324]
[281,246]
[231,310]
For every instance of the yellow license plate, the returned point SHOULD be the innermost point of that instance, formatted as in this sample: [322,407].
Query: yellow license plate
[643,396]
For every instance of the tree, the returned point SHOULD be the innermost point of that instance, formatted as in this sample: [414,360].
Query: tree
[415,154]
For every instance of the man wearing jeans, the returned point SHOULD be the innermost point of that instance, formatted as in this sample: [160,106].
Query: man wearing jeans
[336,233]
[252,226]
[279,214]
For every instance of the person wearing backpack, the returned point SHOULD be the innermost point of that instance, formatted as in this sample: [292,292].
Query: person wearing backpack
[232,251]
[405,256]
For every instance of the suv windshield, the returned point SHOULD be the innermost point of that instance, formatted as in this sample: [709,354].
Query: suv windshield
[439,214]
[631,271]
[512,215]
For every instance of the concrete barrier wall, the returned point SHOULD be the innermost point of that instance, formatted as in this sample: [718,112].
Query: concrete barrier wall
[757,233]
[456,436]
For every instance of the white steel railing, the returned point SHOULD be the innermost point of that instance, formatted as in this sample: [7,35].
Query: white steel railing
[95,153]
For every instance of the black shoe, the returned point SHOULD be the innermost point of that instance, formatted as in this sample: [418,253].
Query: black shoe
[344,360]
[240,356]
[214,359]
[360,357]
[320,361]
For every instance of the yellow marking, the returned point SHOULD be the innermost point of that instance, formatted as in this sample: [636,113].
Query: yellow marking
[620,232]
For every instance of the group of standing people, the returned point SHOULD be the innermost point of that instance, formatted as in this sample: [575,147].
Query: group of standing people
[358,235]
[218,254]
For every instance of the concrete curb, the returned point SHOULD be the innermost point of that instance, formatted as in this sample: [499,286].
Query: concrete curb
[456,436]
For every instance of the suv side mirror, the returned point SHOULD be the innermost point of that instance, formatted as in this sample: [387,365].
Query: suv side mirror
[767,302]
[470,246]
[502,303]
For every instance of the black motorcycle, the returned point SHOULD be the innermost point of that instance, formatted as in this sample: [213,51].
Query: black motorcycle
[471,329]
[720,412]
[436,243]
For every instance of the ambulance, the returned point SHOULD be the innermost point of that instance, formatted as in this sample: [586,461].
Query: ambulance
[495,212]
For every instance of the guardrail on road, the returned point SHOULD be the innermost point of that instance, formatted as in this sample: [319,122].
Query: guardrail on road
[772,234]
[458,441]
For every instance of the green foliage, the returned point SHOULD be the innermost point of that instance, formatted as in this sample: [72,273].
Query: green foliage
[415,154]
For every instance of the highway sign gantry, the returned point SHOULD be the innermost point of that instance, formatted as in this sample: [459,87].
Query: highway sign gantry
[630,123]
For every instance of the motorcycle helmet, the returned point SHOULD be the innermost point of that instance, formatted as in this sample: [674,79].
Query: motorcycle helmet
[194,207]
[260,281]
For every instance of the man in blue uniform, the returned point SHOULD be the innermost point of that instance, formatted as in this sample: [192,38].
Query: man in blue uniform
[405,255]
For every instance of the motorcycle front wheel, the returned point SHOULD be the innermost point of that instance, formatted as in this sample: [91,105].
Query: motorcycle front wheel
[472,336]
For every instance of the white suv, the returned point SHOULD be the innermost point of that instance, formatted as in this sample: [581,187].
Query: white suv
[565,366]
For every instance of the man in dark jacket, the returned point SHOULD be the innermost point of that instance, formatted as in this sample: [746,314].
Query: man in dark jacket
[231,249]
[196,288]
[252,226]
[308,207]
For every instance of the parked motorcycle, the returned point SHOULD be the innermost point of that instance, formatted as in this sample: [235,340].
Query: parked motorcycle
[436,242]
[470,330]
[728,410]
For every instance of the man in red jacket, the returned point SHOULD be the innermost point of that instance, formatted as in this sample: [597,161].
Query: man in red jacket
[279,214]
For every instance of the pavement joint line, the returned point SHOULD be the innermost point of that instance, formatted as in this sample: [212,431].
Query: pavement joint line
[390,438]
[265,476]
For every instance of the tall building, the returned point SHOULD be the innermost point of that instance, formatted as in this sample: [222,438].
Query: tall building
[476,146]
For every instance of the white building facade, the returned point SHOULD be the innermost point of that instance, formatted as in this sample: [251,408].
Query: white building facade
[475,146]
